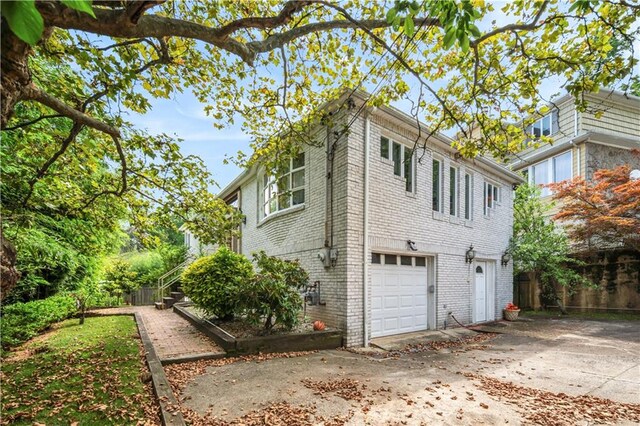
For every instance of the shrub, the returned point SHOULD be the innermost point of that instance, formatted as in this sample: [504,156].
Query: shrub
[214,283]
[273,296]
[22,321]
[119,278]
[147,267]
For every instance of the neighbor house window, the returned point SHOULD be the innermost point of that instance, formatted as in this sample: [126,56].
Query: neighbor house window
[436,197]
[384,148]
[552,170]
[491,196]
[562,169]
[468,196]
[545,126]
[453,191]
[287,190]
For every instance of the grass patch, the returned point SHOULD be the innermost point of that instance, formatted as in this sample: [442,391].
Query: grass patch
[617,316]
[79,374]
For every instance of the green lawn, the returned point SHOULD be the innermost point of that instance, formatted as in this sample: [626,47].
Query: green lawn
[79,374]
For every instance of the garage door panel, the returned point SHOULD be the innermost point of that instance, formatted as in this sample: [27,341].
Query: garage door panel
[398,299]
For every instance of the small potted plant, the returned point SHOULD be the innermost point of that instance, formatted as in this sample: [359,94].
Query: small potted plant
[511,312]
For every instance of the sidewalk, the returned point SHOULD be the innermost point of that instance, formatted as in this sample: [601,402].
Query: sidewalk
[173,337]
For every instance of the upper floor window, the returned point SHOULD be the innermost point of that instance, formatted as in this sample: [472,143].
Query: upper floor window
[285,191]
[468,196]
[491,196]
[384,147]
[453,191]
[402,157]
[553,170]
[545,126]
[436,192]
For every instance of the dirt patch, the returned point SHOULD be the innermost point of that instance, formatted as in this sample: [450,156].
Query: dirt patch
[548,408]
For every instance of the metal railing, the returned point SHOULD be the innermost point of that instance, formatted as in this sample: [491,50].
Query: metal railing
[167,279]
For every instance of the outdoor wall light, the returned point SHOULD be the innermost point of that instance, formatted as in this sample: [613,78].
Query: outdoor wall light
[412,245]
[506,257]
[471,254]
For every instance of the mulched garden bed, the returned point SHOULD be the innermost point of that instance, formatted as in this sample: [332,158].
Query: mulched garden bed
[241,338]
[241,328]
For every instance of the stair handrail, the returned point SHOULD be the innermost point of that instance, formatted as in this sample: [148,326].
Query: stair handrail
[163,282]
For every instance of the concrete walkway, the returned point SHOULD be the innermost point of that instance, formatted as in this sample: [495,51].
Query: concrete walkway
[173,337]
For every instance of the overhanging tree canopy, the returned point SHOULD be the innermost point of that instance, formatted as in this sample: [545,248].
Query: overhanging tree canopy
[270,63]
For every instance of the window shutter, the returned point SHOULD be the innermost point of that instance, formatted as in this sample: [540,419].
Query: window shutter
[555,121]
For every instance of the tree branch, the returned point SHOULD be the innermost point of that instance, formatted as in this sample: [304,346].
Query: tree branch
[75,130]
[34,121]
[34,93]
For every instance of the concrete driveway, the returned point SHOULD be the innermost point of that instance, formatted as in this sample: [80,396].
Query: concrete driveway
[543,372]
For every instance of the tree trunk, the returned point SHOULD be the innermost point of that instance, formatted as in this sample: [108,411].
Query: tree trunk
[15,72]
[8,273]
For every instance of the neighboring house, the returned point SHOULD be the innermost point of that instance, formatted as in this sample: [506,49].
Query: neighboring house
[385,234]
[583,142]
[600,138]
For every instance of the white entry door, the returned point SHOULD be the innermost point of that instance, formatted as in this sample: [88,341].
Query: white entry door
[398,299]
[480,293]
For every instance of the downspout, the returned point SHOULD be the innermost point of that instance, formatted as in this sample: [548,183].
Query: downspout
[365,245]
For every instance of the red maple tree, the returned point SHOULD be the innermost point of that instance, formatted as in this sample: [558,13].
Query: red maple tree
[603,212]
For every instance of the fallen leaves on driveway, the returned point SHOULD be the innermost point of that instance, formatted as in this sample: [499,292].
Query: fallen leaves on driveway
[348,389]
[179,375]
[548,408]
[275,414]
[463,344]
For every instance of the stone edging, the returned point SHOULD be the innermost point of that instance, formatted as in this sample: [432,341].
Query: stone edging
[317,340]
[161,385]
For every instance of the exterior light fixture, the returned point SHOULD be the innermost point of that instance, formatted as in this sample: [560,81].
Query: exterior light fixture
[506,257]
[470,255]
[412,245]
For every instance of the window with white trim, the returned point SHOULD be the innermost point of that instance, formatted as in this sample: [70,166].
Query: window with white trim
[547,125]
[453,191]
[285,191]
[491,196]
[403,161]
[552,170]
[436,186]
[468,196]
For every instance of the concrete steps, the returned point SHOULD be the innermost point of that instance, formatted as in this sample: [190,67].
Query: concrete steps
[169,301]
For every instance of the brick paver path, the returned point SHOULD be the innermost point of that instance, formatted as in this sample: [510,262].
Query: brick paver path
[172,336]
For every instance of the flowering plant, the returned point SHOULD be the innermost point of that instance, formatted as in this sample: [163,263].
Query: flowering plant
[511,307]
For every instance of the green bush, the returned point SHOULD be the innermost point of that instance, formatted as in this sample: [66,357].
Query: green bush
[22,321]
[119,278]
[147,266]
[273,297]
[215,282]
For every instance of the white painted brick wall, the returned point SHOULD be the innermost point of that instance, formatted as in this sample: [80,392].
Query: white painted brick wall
[394,217]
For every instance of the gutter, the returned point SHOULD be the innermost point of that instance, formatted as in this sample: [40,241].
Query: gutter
[365,245]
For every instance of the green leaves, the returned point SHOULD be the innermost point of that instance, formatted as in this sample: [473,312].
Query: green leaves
[23,19]
[26,22]
[80,5]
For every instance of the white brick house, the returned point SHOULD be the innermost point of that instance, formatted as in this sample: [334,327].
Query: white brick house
[365,206]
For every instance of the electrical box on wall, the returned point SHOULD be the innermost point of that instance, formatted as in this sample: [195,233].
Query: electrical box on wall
[328,257]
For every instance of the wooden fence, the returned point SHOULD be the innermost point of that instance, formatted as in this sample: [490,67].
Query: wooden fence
[141,296]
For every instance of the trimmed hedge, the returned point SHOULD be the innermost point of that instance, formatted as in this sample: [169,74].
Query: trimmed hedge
[215,282]
[22,321]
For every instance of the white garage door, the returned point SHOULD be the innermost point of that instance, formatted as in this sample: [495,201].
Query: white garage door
[398,295]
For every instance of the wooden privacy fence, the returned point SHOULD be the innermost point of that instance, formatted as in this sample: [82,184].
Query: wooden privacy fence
[142,296]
